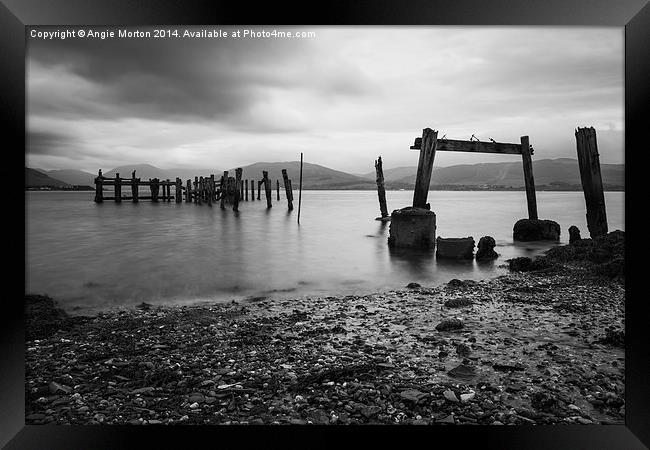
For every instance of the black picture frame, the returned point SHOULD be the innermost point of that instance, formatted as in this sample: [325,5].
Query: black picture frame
[15,15]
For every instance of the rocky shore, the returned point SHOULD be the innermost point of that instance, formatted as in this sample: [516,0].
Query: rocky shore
[541,345]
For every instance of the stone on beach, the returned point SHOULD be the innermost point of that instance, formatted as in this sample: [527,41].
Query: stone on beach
[574,234]
[450,324]
[486,248]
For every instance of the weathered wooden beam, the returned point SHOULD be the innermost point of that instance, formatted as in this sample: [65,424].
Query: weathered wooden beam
[287,189]
[246,190]
[168,186]
[425,166]
[99,188]
[267,188]
[381,191]
[188,191]
[153,184]
[592,183]
[453,145]
[300,189]
[178,197]
[238,187]
[277,189]
[259,188]
[529,180]
[224,189]
[118,188]
[134,187]
[252,190]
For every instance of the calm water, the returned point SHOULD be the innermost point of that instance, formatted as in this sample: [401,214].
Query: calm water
[91,257]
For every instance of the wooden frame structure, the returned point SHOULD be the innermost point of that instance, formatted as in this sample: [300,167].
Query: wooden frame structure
[429,144]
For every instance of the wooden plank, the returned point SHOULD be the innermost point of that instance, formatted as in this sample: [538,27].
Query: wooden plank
[381,191]
[591,179]
[528,178]
[453,145]
[425,166]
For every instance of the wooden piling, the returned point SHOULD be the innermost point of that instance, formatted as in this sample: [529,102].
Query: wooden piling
[287,189]
[425,166]
[153,185]
[259,188]
[246,190]
[118,188]
[134,187]
[267,188]
[381,191]
[179,190]
[528,178]
[252,190]
[592,183]
[238,189]
[277,189]
[169,190]
[188,191]
[99,187]
[224,189]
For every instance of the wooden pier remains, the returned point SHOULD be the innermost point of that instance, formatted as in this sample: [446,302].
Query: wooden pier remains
[203,189]
[591,179]
[429,144]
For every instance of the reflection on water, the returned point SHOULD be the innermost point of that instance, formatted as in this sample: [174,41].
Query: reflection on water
[95,256]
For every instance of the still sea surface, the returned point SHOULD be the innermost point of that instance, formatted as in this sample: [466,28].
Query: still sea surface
[91,257]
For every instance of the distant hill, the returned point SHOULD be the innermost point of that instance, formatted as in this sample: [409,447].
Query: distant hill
[73,177]
[558,172]
[146,171]
[34,178]
[314,176]
[550,174]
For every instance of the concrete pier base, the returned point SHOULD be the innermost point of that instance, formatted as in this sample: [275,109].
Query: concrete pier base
[536,230]
[455,248]
[412,227]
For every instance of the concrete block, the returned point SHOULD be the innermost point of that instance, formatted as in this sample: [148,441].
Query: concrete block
[412,227]
[536,230]
[455,248]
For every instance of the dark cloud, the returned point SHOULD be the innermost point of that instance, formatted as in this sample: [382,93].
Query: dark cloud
[47,142]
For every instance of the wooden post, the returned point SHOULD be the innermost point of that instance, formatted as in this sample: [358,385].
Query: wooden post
[118,188]
[267,187]
[238,189]
[208,190]
[188,191]
[381,191]
[246,190]
[592,183]
[252,190]
[134,187]
[179,190]
[528,178]
[224,189]
[287,189]
[240,182]
[277,188]
[259,188]
[169,190]
[300,189]
[153,184]
[425,166]
[99,188]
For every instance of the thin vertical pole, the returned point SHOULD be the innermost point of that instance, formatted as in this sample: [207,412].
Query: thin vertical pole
[252,190]
[277,188]
[300,188]
[246,189]
[134,187]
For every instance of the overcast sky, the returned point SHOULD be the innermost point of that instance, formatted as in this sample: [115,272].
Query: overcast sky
[342,98]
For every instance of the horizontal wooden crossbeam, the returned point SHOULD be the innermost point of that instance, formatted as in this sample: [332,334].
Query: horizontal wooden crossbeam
[453,145]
